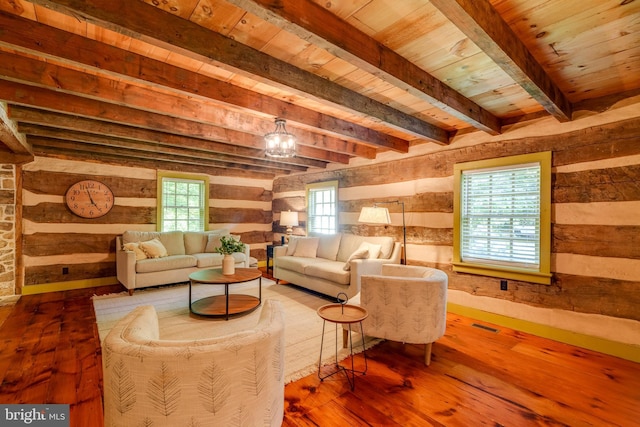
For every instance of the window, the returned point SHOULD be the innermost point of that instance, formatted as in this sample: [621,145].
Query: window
[502,217]
[322,207]
[183,202]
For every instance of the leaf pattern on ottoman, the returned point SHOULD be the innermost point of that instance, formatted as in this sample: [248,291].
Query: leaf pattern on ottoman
[122,387]
[213,388]
[163,390]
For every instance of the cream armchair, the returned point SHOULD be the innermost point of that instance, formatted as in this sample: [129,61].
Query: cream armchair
[406,304]
[237,379]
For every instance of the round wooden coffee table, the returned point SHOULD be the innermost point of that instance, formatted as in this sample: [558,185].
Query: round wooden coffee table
[228,304]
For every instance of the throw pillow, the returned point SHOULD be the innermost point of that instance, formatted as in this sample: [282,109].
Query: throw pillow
[135,247]
[360,253]
[213,242]
[291,246]
[154,248]
[307,247]
[374,250]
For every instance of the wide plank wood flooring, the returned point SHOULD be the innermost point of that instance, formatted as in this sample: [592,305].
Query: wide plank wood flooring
[50,353]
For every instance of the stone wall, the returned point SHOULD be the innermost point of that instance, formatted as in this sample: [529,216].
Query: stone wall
[7,230]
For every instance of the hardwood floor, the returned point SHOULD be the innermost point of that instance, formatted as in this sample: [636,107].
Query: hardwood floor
[50,353]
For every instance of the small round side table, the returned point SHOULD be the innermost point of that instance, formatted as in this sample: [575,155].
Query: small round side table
[340,313]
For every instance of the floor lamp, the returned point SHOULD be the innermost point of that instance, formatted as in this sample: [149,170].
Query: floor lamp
[378,215]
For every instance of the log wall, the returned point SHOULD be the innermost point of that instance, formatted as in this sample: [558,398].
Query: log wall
[595,216]
[60,247]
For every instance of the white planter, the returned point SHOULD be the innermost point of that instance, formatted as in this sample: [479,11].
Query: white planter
[228,265]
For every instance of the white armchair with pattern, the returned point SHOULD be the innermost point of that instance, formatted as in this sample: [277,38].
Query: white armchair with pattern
[405,303]
[233,380]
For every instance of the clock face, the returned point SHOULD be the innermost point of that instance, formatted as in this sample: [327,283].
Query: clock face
[89,199]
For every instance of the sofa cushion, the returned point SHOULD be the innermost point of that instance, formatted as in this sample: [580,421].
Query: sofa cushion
[153,248]
[331,270]
[215,260]
[213,242]
[291,245]
[171,262]
[298,264]
[307,247]
[173,241]
[328,246]
[350,242]
[208,260]
[195,242]
[135,247]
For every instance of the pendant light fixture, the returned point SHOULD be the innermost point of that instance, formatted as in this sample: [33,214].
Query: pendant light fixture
[280,143]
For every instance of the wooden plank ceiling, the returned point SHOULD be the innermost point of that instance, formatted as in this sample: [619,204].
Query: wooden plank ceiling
[195,84]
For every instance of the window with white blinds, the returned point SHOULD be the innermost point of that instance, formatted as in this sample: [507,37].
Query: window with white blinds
[322,208]
[500,218]
[502,212]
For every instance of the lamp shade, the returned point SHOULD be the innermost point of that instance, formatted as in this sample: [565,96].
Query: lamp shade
[375,215]
[289,219]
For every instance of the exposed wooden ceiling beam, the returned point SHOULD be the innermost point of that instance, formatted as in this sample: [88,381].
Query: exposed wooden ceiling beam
[29,36]
[154,148]
[31,71]
[484,26]
[70,104]
[119,159]
[98,127]
[150,24]
[144,153]
[11,137]
[310,21]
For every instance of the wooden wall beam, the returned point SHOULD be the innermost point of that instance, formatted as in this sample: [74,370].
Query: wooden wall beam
[311,21]
[25,35]
[484,26]
[149,24]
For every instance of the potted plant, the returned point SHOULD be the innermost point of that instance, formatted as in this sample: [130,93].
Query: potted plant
[229,245]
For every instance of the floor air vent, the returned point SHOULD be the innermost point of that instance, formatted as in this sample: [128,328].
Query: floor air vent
[486,328]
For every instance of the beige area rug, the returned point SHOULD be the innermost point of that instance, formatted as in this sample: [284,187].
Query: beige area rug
[303,330]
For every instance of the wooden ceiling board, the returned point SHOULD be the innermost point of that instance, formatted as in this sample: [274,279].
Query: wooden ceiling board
[253,31]
[182,8]
[19,7]
[588,49]
[343,8]
[217,15]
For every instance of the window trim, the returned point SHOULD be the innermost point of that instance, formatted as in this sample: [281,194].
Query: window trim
[543,273]
[177,175]
[318,185]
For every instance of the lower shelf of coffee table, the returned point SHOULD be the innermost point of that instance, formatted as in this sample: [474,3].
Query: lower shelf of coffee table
[215,306]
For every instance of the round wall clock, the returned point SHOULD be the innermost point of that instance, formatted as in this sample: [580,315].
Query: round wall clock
[89,199]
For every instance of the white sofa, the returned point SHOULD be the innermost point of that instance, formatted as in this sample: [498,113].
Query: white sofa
[331,264]
[186,252]
[236,379]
